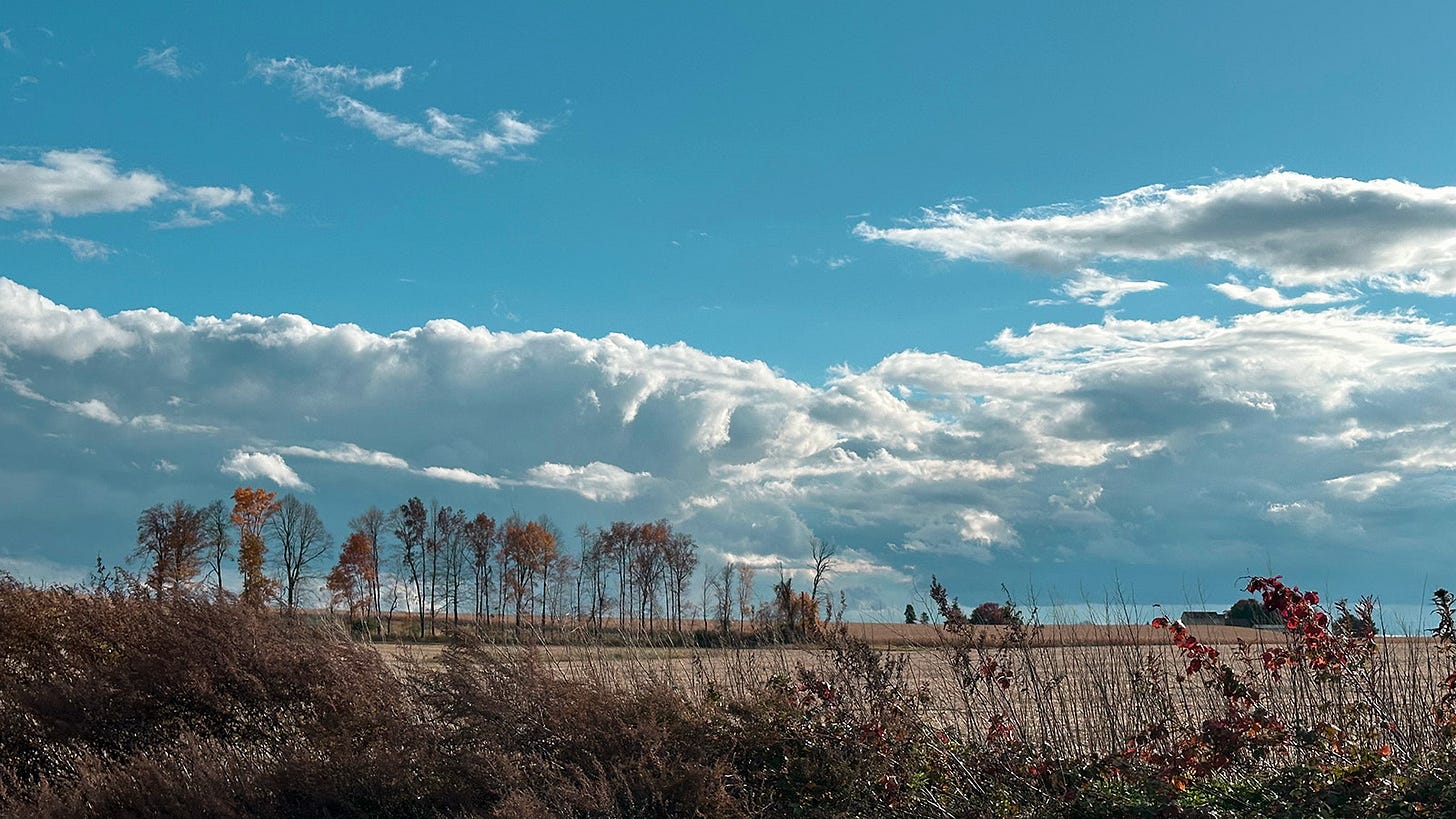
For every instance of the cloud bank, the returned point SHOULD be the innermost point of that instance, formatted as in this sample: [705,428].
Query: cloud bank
[1190,442]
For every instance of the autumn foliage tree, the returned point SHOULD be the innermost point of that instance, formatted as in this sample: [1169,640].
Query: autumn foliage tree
[653,564]
[796,614]
[352,579]
[442,559]
[528,549]
[994,614]
[372,525]
[251,510]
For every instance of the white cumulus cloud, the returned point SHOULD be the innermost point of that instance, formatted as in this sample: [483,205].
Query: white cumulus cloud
[594,481]
[1097,288]
[457,475]
[75,183]
[71,183]
[1271,298]
[251,466]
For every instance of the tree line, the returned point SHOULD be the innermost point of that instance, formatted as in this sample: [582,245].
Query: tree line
[436,563]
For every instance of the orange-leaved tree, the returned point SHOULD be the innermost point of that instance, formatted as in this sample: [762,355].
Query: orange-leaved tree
[352,579]
[251,509]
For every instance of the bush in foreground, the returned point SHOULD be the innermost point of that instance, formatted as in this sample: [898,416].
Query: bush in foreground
[113,705]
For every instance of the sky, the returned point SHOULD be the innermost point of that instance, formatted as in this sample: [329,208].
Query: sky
[1087,302]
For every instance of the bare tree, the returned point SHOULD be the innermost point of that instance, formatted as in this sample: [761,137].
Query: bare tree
[682,561]
[391,587]
[170,539]
[481,537]
[301,537]
[746,574]
[446,559]
[710,590]
[586,564]
[217,540]
[410,521]
[822,552]
[724,590]
[563,567]
[647,566]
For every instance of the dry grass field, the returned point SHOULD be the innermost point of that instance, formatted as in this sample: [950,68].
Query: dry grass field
[1076,687]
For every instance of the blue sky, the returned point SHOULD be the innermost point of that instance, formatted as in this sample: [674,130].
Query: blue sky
[864,272]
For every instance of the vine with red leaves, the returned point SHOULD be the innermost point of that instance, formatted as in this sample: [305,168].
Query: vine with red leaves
[1246,728]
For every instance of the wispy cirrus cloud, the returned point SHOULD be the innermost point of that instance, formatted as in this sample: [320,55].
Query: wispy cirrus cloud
[458,138]
[1300,230]
[82,250]
[208,205]
[165,61]
[347,454]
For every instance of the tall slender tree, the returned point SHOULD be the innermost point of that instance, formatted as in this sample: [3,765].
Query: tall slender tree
[251,510]
[372,525]
[647,567]
[746,576]
[682,561]
[529,548]
[822,552]
[449,536]
[217,541]
[411,522]
[481,537]
[552,566]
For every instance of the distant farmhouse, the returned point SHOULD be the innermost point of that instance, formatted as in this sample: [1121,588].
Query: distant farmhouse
[1244,614]
[1204,618]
